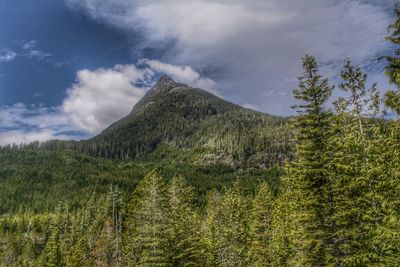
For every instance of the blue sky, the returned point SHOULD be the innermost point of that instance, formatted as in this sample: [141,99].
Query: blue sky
[69,68]
[70,40]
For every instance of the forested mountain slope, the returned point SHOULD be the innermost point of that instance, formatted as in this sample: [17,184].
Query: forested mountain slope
[176,115]
[175,129]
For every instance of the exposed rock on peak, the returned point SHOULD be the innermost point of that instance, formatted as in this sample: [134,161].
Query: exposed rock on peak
[164,85]
[166,80]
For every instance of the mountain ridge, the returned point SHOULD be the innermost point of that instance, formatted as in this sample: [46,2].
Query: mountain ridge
[174,114]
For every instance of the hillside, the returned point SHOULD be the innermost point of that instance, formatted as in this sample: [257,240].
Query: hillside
[175,129]
[176,115]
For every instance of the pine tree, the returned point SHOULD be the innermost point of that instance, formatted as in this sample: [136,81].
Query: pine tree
[282,247]
[355,198]
[392,69]
[145,240]
[183,225]
[107,248]
[261,227]
[117,219]
[86,230]
[312,189]
[226,228]
[389,148]
[385,171]
[52,256]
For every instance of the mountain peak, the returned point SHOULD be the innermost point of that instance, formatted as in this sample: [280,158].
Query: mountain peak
[164,85]
[165,82]
[165,79]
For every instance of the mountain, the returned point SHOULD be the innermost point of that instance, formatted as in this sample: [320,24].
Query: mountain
[175,115]
[175,129]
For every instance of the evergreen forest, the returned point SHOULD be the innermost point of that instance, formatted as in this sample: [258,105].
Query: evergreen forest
[188,179]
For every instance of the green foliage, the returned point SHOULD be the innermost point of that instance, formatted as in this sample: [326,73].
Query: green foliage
[147,226]
[226,227]
[261,227]
[183,225]
[308,172]
[392,69]
[52,252]
[37,180]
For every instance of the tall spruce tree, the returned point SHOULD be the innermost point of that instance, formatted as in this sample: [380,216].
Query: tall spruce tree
[282,247]
[261,227]
[356,197]
[309,175]
[226,228]
[108,222]
[146,238]
[183,225]
[391,149]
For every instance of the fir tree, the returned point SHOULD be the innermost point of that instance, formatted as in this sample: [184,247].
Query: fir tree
[282,246]
[261,227]
[183,225]
[52,256]
[309,172]
[355,197]
[392,69]
[226,229]
[107,248]
[146,240]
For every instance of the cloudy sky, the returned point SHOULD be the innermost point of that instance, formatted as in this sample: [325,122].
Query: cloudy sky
[69,68]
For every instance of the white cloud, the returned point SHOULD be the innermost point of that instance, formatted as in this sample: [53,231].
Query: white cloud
[26,50]
[7,56]
[183,74]
[25,137]
[251,106]
[29,45]
[23,124]
[250,47]
[37,54]
[97,99]
[100,97]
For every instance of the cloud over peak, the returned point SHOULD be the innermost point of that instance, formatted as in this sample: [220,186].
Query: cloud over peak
[95,100]
[101,97]
[250,47]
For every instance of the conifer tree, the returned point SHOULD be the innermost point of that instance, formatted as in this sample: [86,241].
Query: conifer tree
[261,227]
[52,256]
[312,189]
[117,219]
[183,225]
[390,164]
[107,248]
[384,169]
[145,241]
[282,246]
[355,198]
[226,228]
[392,69]
[86,233]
